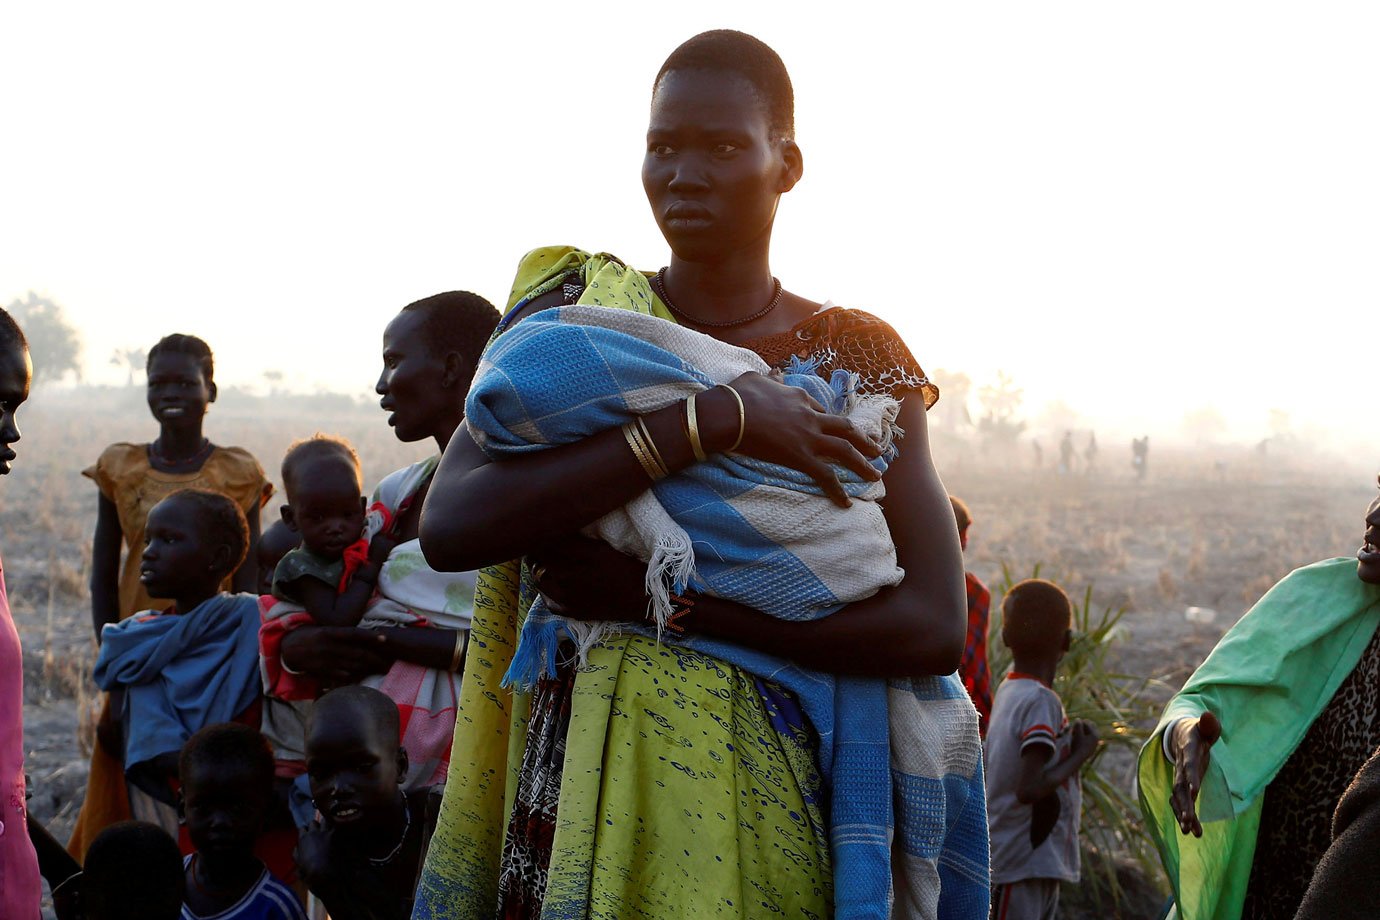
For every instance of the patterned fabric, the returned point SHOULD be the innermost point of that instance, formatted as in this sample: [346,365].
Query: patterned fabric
[410,594]
[973,671]
[659,736]
[1268,680]
[1296,819]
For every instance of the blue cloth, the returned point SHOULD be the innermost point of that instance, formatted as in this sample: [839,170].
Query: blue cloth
[181,672]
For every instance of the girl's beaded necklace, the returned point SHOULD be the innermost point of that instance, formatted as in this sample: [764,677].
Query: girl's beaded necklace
[659,282]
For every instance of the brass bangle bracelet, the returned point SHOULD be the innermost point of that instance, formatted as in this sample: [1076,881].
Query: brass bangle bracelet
[639,450]
[742,418]
[651,449]
[692,429]
[458,655]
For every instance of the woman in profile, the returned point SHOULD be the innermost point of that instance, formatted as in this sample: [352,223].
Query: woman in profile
[658,780]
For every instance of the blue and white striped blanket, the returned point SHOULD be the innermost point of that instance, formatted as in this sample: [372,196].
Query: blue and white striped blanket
[764,536]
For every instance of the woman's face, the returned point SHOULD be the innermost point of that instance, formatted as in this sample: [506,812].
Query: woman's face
[15,374]
[713,173]
[1368,556]
[414,384]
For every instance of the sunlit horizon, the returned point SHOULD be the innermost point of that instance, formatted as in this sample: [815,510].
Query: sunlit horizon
[1135,212]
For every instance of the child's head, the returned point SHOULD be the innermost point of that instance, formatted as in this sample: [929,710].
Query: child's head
[193,538]
[964,518]
[1036,616]
[16,373]
[275,542]
[354,761]
[181,379]
[133,871]
[322,478]
[226,773]
[430,351]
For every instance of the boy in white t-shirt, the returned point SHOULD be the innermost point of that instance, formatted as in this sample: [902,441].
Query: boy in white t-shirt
[1033,756]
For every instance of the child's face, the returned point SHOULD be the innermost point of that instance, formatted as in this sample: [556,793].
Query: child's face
[177,554]
[178,391]
[354,771]
[325,507]
[224,806]
[16,372]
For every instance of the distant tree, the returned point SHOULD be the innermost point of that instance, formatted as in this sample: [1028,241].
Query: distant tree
[1204,425]
[53,342]
[1000,403]
[954,389]
[275,381]
[133,360]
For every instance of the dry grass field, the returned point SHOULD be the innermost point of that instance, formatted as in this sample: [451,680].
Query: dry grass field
[1204,530]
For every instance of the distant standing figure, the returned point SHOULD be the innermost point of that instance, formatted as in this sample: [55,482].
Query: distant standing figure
[974,672]
[1033,757]
[1039,454]
[1090,453]
[1066,453]
[1140,452]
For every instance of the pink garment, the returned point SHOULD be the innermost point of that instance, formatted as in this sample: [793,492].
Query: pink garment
[20,889]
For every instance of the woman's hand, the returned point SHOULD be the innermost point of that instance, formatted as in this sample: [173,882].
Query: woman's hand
[587,579]
[336,655]
[785,425]
[1191,742]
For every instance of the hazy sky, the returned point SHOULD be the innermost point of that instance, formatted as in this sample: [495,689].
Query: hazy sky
[1139,209]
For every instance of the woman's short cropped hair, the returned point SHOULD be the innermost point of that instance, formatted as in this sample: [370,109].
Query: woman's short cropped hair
[456,321]
[183,344]
[11,336]
[733,52]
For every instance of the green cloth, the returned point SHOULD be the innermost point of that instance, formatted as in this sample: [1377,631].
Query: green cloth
[303,563]
[1266,681]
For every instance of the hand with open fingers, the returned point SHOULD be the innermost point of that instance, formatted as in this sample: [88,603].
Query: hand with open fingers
[1191,743]
[785,425]
[587,579]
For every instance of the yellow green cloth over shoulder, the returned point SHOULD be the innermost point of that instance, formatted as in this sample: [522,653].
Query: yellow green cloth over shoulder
[1266,681]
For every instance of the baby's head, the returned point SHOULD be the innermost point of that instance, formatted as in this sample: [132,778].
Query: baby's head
[354,761]
[1036,619]
[275,542]
[193,540]
[226,773]
[325,501]
[133,871]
